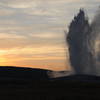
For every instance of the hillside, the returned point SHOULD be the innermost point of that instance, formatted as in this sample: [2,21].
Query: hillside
[21,73]
[34,84]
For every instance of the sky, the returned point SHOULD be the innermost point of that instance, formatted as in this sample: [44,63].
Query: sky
[32,31]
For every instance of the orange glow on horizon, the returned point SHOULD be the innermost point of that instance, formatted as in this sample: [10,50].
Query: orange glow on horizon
[44,58]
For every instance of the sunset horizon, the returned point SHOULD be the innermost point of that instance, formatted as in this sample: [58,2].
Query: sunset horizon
[32,32]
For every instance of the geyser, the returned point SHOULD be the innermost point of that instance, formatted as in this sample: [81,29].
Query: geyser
[84,44]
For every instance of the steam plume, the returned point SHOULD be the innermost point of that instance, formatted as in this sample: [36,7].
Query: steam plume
[95,40]
[84,44]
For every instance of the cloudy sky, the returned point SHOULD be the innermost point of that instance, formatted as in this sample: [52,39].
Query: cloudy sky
[32,31]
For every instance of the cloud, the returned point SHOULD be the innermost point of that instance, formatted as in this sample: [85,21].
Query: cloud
[5,12]
[18,3]
[9,36]
[47,35]
[21,42]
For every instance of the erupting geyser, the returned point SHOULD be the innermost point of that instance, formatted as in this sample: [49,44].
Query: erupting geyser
[84,44]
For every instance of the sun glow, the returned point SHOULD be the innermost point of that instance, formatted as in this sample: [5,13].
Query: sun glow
[36,57]
[2,52]
[2,61]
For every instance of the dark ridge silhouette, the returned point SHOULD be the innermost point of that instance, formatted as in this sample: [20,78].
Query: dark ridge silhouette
[34,84]
[80,78]
[21,73]
[79,42]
